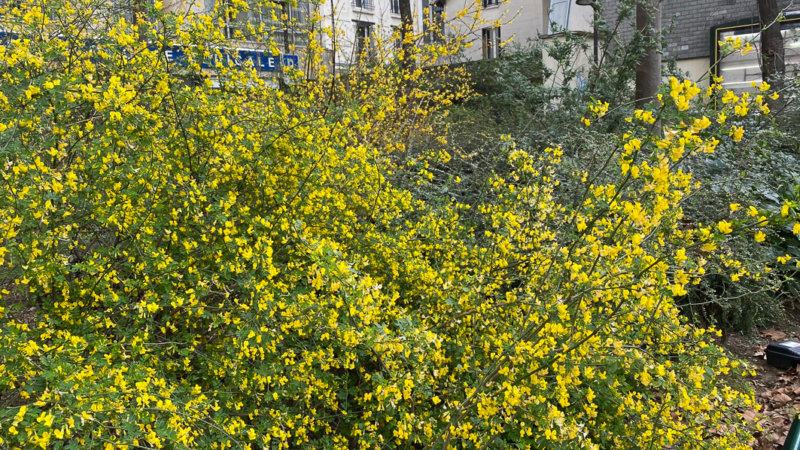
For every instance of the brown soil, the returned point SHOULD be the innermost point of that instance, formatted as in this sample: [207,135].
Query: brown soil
[777,391]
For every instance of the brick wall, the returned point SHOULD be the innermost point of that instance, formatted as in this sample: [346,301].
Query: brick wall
[691,21]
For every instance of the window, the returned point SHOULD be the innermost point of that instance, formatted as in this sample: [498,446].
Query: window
[487,3]
[398,38]
[491,43]
[364,4]
[49,9]
[132,10]
[559,16]
[10,4]
[279,21]
[739,71]
[433,23]
[363,34]
[395,6]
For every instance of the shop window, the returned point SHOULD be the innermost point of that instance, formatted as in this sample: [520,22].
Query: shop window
[739,71]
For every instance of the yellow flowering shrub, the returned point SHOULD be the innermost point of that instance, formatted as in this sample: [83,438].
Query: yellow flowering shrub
[245,267]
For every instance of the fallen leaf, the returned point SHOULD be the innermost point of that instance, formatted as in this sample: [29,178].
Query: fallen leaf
[781,398]
[750,415]
[774,335]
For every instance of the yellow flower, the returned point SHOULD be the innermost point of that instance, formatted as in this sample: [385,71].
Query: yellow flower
[737,132]
[645,378]
[701,124]
[724,226]
[759,236]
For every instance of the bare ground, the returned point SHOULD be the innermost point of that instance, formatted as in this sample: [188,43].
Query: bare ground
[777,391]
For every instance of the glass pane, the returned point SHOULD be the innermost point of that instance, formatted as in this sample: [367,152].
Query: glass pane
[559,16]
[739,71]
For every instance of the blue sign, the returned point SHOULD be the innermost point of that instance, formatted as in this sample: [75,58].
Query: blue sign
[259,60]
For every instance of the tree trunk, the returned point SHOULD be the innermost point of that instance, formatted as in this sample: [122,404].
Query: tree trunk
[648,71]
[139,16]
[138,12]
[772,54]
[285,13]
[406,32]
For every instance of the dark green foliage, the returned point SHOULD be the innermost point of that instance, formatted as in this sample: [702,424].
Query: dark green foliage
[519,102]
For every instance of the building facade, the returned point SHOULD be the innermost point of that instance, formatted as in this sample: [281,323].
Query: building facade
[360,24]
[694,29]
[496,24]
[346,29]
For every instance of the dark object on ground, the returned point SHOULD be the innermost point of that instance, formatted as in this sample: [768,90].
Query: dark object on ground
[783,355]
[793,438]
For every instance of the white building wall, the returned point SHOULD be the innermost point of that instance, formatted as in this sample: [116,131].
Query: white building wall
[345,14]
[696,70]
[520,21]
